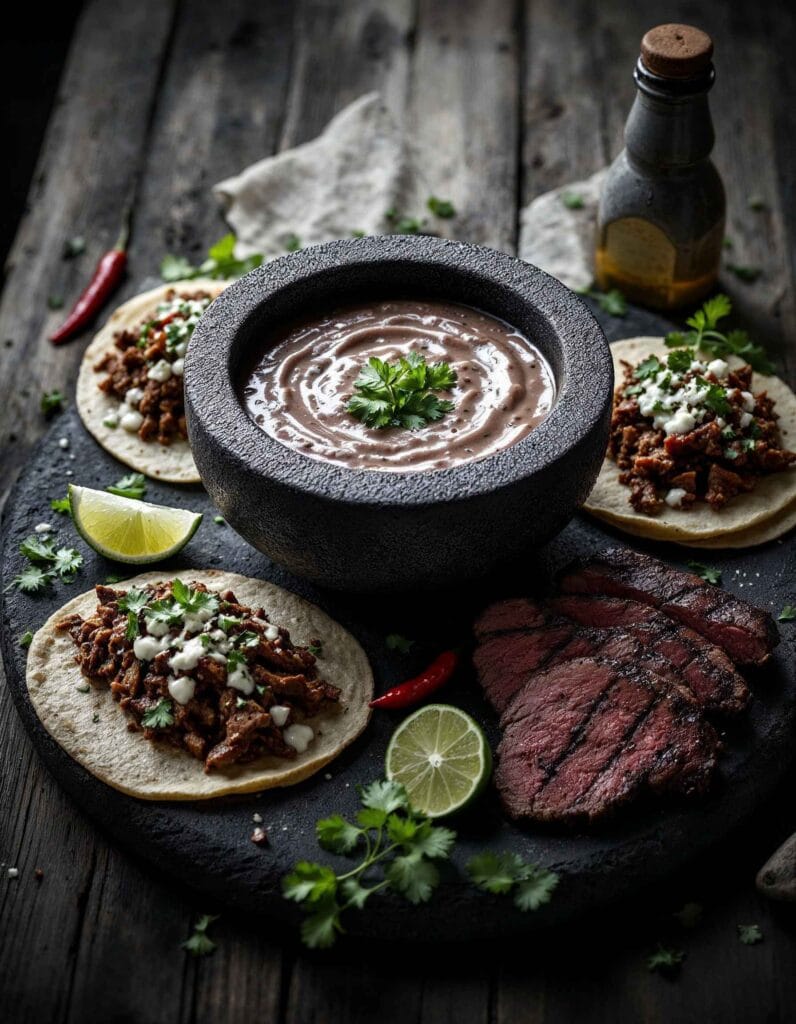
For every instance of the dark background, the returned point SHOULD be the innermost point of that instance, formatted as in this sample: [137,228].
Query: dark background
[98,939]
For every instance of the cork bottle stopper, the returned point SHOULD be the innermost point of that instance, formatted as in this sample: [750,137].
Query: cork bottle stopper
[676,51]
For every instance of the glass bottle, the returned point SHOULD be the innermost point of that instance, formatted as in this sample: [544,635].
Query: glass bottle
[661,218]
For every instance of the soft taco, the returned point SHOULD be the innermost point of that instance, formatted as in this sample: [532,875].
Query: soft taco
[699,451]
[172,690]
[129,391]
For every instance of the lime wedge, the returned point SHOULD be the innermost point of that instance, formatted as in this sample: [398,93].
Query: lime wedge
[127,530]
[441,757]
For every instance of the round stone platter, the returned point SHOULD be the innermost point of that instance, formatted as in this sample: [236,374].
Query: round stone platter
[207,845]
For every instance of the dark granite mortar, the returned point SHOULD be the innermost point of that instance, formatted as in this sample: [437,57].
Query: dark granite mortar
[370,531]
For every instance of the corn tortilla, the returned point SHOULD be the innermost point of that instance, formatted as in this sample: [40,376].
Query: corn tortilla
[762,515]
[157,771]
[172,462]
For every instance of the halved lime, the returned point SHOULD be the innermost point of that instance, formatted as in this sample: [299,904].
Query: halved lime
[127,530]
[441,756]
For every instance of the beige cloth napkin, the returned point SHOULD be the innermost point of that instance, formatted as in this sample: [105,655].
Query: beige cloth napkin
[360,167]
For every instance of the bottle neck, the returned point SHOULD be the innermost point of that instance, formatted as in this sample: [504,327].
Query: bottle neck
[669,125]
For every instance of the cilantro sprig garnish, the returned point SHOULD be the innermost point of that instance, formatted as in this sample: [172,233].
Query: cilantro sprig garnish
[133,485]
[399,849]
[705,337]
[193,601]
[161,716]
[749,934]
[500,873]
[51,403]
[47,563]
[221,263]
[788,614]
[665,959]
[612,302]
[706,572]
[401,394]
[199,942]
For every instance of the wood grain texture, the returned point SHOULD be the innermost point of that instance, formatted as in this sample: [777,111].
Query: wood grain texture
[505,99]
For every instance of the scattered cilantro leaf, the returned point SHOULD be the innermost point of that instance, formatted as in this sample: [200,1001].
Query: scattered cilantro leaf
[788,614]
[32,580]
[38,548]
[221,263]
[193,601]
[443,208]
[705,337]
[60,505]
[396,642]
[26,639]
[316,650]
[113,578]
[689,915]
[612,302]
[402,225]
[666,960]
[131,631]
[292,243]
[160,716]
[74,247]
[748,274]
[55,302]
[133,601]
[572,200]
[716,397]
[501,873]
[357,233]
[133,485]
[706,572]
[66,563]
[220,520]
[46,564]
[51,403]
[679,361]
[749,934]
[649,367]
[401,394]
[199,942]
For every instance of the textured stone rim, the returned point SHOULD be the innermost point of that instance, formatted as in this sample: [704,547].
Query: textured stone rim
[584,374]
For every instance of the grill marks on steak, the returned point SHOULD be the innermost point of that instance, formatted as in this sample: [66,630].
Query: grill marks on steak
[584,736]
[748,634]
[519,637]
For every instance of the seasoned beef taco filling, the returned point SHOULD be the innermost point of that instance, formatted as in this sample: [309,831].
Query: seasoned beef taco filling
[197,669]
[144,370]
[687,431]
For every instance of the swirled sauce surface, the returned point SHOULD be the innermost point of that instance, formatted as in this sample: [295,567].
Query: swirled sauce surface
[298,389]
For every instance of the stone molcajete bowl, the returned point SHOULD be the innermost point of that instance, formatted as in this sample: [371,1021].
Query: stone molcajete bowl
[368,530]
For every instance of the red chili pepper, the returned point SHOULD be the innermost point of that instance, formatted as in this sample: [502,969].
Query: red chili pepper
[104,282]
[413,690]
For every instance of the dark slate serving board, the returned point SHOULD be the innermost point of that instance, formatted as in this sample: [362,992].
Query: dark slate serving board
[207,845]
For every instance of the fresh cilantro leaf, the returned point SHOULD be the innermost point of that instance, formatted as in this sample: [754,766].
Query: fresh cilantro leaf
[240,702]
[679,361]
[536,889]
[495,872]
[413,876]
[706,572]
[433,840]
[131,631]
[748,274]
[66,563]
[749,934]
[714,309]
[357,233]
[748,444]
[354,894]
[572,200]
[371,817]
[226,622]
[385,796]
[133,485]
[675,339]
[199,943]
[443,208]
[26,639]
[320,929]
[316,650]
[788,614]
[60,505]
[728,433]
[715,398]
[235,659]
[221,263]
[133,601]
[308,881]
[689,915]
[38,548]
[32,580]
[401,394]
[633,389]
[612,302]
[292,243]
[51,403]
[55,302]
[396,642]
[402,225]
[649,367]
[160,716]
[193,601]
[666,960]
[336,834]
[176,268]
[74,246]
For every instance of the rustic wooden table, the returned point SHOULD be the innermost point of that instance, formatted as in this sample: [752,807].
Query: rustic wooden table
[158,100]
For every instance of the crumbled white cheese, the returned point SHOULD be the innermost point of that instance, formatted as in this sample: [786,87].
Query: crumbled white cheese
[145,648]
[111,420]
[279,713]
[13,872]
[257,818]
[195,621]
[63,442]
[746,419]
[160,372]
[748,400]
[182,689]
[674,497]
[239,678]
[178,367]
[157,627]
[718,368]
[188,657]
[271,632]
[298,737]
[134,396]
[42,528]
[131,421]
[681,423]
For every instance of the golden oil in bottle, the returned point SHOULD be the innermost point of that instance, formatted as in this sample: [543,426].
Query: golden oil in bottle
[660,225]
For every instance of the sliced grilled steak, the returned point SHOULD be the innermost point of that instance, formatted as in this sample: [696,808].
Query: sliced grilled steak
[745,632]
[623,630]
[586,736]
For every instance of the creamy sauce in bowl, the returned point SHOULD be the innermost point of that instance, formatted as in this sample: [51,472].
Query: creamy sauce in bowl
[298,389]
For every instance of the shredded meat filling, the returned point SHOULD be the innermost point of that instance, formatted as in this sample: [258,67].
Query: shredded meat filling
[219,724]
[711,463]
